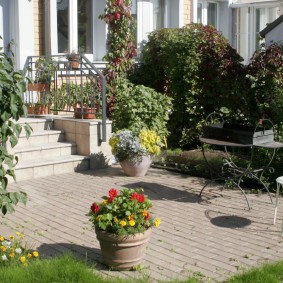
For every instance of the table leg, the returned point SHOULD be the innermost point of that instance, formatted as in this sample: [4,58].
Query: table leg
[276,203]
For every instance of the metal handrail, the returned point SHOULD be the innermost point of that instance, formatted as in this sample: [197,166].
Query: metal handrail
[70,87]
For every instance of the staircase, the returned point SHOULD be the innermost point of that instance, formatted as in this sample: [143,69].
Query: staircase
[46,152]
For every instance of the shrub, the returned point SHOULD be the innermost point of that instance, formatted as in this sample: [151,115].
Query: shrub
[200,70]
[138,107]
[265,73]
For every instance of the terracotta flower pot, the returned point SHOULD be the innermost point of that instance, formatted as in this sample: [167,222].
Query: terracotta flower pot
[122,252]
[88,113]
[137,168]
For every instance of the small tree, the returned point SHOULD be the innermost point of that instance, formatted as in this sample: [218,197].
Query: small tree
[12,86]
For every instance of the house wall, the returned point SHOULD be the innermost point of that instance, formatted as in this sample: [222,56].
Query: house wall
[188,12]
[38,8]
[275,35]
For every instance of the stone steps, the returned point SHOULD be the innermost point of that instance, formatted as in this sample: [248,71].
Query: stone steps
[46,152]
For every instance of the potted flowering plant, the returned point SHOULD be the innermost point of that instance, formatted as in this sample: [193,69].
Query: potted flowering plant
[135,152]
[123,226]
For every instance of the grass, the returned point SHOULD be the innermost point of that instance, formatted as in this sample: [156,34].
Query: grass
[68,269]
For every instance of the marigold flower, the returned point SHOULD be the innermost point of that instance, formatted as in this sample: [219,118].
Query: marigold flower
[95,207]
[157,222]
[2,238]
[123,223]
[3,248]
[35,253]
[12,255]
[132,222]
[130,217]
[22,259]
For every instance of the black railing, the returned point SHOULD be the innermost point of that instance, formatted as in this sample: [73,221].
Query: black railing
[66,84]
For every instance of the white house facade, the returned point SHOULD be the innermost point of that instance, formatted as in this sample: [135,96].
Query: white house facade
[70,25]
[240,21]
[42,27]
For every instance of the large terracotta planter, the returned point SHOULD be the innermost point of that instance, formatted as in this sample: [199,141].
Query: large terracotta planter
[122,252]
[137,168]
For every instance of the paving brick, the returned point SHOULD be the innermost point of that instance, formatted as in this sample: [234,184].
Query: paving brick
[213,237]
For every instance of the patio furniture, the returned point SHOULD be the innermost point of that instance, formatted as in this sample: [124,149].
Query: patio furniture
[279,182]
[230,136]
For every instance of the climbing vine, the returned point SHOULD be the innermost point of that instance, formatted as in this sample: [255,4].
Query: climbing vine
[121,41]
[12,107]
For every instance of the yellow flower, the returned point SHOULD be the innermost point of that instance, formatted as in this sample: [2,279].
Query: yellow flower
[12,254]
[104,201]
[157,222]
[2,238]
[132,222]
[22,259]
[144,212]
[25,264]
[35,253]
[12,237]
[19,234]
[123,223]
[3,249]
[29,255]
[130,217]
[115,219]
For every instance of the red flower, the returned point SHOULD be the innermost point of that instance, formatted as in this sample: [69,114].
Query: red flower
[95,207]
[112,193]
[146,216]
[139,197]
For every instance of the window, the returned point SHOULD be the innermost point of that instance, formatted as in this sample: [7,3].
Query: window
[74,25]
[63,25]
[207,13]
[158,14]
[212,14]
[199,13]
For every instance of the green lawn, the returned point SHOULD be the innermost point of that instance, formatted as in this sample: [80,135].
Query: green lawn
[67,269]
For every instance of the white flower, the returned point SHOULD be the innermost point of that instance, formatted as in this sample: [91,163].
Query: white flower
[4,257]
[18,250]
[6,244]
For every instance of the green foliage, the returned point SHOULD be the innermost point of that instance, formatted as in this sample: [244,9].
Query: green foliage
[12,86]
[45,69]
[121,37]
[138,107]
[265,73]
[127,146]
[200,70]
[13,252]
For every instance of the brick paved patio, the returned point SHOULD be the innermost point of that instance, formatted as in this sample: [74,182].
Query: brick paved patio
[213,237]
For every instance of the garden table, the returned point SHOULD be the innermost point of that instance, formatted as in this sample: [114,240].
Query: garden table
[230,137]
